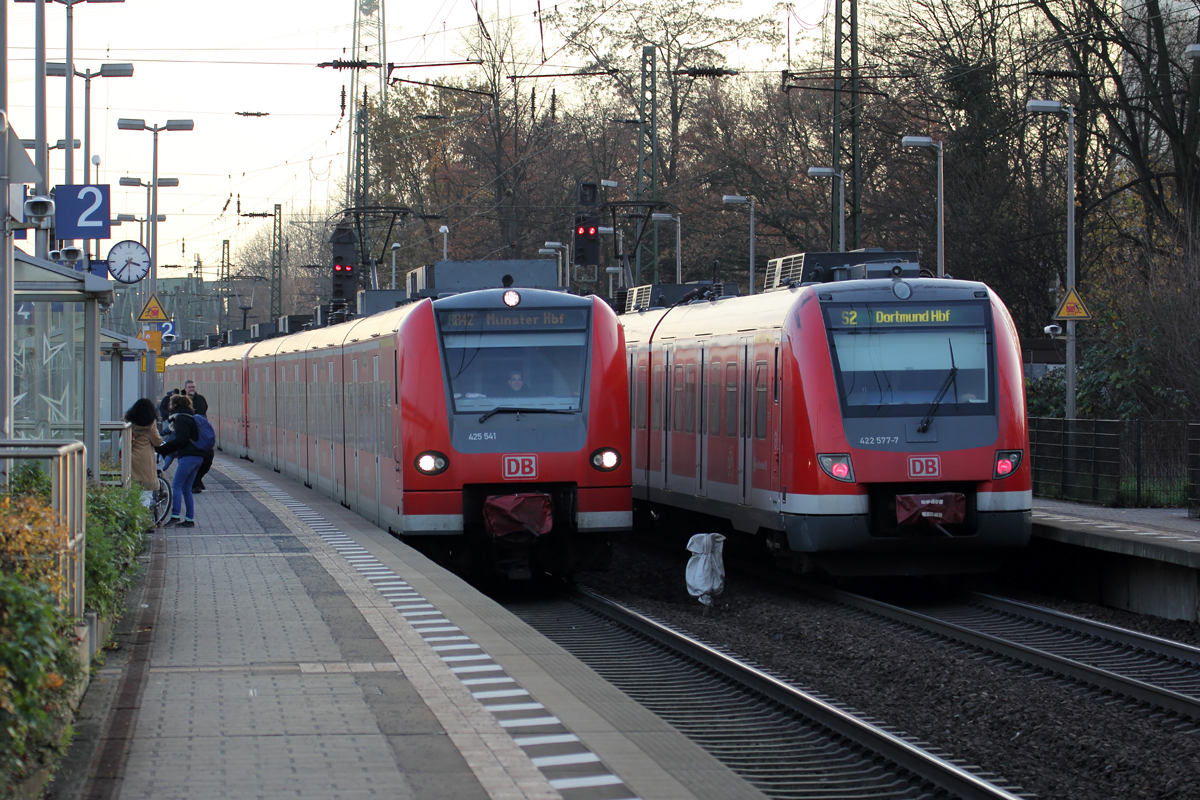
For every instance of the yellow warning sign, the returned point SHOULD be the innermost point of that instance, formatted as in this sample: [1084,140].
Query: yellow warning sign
[153,311]
[153,339]
[1072,307]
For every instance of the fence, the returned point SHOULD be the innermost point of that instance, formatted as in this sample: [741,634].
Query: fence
[116,453]
[1194,470]
[1112,462]
[66,464]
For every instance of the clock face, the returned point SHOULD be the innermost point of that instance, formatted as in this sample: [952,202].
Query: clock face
[128,262]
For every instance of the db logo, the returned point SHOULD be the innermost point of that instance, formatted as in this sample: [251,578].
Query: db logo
[520,468]
[924,467]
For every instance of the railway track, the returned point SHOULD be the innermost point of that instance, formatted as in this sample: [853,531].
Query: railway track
[1161,675]
[790,744]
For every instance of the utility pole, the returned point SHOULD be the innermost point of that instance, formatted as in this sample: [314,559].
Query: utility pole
[647,171]
[846,27]
[225,280]
[277,265]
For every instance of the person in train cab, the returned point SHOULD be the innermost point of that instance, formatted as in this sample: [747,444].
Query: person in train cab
[516,385]
[141,415]
[199,404]
[190,458]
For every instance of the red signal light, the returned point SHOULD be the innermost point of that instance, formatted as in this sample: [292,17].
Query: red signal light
[592,231]
[580,231]
[349,268]
[337,267]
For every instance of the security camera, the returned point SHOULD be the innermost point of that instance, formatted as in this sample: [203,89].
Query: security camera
[55,255]
[1052,330]
[40,211]
[167,338]
[70,255]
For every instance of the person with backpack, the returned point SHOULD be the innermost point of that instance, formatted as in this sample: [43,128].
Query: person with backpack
[206,442]
[200,409]
[190,457]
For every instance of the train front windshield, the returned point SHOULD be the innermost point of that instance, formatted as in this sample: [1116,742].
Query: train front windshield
[512,358]
[898,359]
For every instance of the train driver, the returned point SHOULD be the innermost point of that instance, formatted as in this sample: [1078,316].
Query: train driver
[516,385]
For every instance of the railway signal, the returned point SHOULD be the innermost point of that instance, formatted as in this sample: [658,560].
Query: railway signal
[345,250]
[587,239]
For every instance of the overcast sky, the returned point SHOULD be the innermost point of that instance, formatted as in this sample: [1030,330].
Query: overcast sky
[206,61]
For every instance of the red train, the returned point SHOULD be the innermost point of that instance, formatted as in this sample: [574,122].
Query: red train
[860,426]
[488,429]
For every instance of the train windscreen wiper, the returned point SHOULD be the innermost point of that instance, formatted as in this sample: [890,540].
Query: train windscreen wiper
[520,411]
[937,401]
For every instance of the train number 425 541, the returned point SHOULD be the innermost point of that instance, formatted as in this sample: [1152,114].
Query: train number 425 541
[479,437]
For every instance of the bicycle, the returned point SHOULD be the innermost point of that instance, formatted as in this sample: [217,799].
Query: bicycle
[160,503]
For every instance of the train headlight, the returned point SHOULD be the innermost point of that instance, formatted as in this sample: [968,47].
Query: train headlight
[837,466]
[606,459]
[512,299]
[1007,462]
[431,463]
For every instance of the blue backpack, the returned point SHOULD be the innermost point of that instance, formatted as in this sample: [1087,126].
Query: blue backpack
[206,437]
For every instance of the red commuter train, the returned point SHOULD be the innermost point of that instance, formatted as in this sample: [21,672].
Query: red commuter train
[488,429]
[859,426]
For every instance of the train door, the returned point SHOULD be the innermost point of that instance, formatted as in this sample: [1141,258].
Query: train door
[660,465]
[377,423]
[776,428]
[641,420]
[353,426]
[337,483]
[745,440]
[702,358]
[761,457]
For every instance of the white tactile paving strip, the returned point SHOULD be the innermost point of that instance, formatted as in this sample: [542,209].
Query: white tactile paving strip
[1186,538]
[513,706]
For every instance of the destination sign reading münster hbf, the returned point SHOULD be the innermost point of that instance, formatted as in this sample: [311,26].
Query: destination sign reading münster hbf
[533,319]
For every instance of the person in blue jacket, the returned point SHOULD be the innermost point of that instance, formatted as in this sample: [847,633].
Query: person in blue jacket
[190,457]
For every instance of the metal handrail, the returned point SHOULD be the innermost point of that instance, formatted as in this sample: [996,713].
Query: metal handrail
[67,468]
[123,430]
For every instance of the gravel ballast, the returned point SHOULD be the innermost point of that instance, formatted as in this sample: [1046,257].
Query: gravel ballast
[1053,740]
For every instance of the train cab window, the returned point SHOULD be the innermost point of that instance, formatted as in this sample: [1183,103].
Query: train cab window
[526,359]
[714,400]
[656,410]
[894,360]
[731,400]
[641,399]
[677,408]
[689,400]
[760,400]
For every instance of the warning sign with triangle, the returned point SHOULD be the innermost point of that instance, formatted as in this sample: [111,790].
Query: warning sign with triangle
[1072,307]
[153,311]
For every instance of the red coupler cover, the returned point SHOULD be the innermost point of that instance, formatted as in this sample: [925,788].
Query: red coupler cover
[944,507]
[530,512]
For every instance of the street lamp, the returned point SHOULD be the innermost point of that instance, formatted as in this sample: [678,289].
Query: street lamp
[830,172]
[740,200]
[59,69]
[140,125]
[445,231]
[395,249]
[926,141]
[559,247]
[1061,109]
[677,219]
[168,183]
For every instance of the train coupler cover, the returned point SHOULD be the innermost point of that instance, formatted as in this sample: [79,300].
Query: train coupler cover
[940,508]
[518,518]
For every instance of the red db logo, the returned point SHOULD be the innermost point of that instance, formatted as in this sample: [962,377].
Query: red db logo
[520,468]
[924,466]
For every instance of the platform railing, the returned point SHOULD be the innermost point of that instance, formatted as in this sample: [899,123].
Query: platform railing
[1194,470]
[116,453]
[1134,463]
[66,465]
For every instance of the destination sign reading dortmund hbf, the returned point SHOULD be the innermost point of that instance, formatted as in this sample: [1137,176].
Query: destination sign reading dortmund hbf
[868,315]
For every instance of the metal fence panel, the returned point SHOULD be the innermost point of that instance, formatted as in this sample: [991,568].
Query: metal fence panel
[1194,470]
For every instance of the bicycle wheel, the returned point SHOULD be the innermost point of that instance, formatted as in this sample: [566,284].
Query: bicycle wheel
[162,501]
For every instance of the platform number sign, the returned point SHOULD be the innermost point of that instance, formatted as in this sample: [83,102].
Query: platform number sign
[82,212]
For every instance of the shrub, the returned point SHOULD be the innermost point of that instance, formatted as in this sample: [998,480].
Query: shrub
[116,520]
[37,670]
[31,541]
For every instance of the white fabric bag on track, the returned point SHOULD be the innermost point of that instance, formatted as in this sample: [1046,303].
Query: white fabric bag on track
[706,569]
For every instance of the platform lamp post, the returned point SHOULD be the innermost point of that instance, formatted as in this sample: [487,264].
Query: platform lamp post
[740,200]
[140,125]
[163,183]
[840,178]
[677,218]
[445,232]
[559,247]
[1061,109]
[926,141]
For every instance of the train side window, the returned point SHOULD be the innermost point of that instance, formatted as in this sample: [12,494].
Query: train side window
[689,400]
[656,406]
[641,399]
[731,397]
[677,408]
[760,400]
[714,400]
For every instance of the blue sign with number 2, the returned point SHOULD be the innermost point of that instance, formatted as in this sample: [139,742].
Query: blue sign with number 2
[82,212]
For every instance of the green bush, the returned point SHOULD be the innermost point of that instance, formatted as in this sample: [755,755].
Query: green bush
[116,525]
[38,667]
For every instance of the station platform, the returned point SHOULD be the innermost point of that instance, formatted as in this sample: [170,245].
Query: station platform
[285,647]
[1144,560]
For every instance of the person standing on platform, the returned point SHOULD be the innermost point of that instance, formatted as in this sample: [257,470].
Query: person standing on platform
[200,406]
[141,415]
[190,458]
[164,406]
